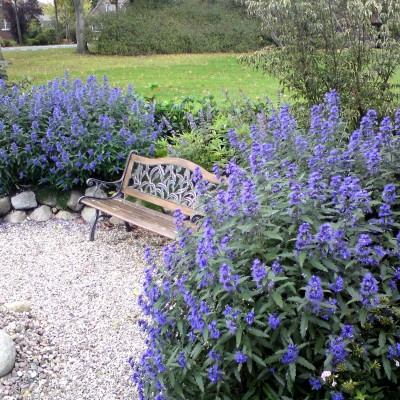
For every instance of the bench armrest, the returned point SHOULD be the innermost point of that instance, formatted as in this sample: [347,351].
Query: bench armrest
[100,185]
[103,184]
[196,218]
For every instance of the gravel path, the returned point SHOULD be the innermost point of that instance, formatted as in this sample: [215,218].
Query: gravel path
[75,342]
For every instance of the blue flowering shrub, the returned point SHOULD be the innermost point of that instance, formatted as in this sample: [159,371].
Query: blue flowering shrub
[291,288]
[66,131]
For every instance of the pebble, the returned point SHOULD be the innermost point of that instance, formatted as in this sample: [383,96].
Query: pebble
[75,342]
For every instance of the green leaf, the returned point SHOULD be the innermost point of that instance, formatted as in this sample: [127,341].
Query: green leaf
[239,336]
[258,360]
[258,332]
[196,351]
[249,394]
[276,296]
[387,367]
[352,292]
[382,339]
[318,265]
[302,257]
[273,235]
[270,393]
[171,376]
[302,361]
[199,381]
[303,325]
[292,371]
[237,374]
[362,316]
[273,358]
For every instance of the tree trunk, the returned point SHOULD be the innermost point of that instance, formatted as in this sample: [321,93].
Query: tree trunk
[20,40]
[58,37]
[80,28]
[1,55]
[67,23]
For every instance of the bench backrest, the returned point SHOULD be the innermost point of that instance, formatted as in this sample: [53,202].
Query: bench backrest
[167,182]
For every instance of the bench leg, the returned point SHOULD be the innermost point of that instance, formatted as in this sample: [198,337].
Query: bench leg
[93,228]
[128,227]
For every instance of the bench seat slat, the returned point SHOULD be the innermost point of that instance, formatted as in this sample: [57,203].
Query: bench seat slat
[160,202]
[138,215]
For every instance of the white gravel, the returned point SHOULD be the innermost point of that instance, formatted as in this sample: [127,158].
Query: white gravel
[75,343]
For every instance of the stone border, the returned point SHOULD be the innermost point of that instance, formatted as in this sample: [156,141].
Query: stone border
[24,207]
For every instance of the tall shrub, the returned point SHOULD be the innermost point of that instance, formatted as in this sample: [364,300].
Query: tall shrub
[187,26]
[66,131]
[350,46]
[290,289]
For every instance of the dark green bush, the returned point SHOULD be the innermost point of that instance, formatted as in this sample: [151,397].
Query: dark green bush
[189,26]
[47,36]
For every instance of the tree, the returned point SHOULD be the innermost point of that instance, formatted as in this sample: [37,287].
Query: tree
[347,45]
[80,27]
[57,22]
[19,13]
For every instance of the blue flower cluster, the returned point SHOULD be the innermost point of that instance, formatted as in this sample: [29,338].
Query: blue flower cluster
[291,285]
[68,130]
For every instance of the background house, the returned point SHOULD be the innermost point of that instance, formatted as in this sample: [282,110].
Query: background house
[4,24]
[104,6]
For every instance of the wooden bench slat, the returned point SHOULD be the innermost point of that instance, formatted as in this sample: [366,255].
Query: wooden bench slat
[137,215]
[159,202]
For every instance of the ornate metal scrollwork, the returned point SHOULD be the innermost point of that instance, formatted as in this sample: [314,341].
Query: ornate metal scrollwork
[165,181]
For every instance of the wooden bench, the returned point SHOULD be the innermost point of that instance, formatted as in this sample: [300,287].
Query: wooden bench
[165,182]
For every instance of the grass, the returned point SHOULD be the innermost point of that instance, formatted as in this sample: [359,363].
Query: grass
[164,76]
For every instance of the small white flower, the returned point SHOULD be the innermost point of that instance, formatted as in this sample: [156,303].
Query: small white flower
[325,375]
[397,363]
[334,383]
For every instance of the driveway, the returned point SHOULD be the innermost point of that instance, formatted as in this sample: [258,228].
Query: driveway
[23,48]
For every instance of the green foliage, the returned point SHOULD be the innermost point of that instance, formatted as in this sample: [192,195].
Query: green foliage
[188,26]
[47,36]
[347,45]
[3,73]
[197,129]
[8,43]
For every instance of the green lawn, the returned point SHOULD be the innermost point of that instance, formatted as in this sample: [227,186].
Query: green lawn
[162,76]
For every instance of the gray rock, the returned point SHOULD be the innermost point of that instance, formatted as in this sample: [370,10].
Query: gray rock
[42,213]
[73,201]
[48,199]
[88,214]
[16,217]
[5,205]
[66,215]
[18,306]
[7,354]
[93,191]
[117,221]
[24,201]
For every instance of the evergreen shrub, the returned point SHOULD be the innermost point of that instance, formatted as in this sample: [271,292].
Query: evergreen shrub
[290,289]
[66,131]
[188,26]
